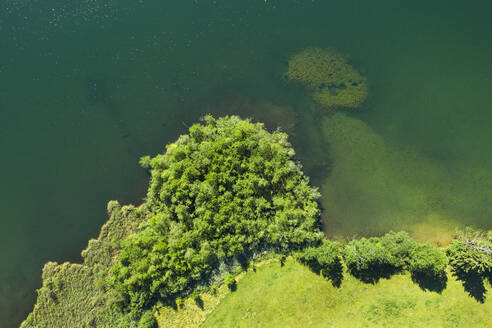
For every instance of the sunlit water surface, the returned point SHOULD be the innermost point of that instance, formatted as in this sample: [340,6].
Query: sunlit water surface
[87,87]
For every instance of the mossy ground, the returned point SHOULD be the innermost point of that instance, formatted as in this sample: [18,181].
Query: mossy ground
[293,296]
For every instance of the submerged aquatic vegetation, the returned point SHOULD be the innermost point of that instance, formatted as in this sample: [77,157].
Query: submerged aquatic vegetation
[374,185]
[330,78]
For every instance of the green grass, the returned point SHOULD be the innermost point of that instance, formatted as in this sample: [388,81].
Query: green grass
[293,296]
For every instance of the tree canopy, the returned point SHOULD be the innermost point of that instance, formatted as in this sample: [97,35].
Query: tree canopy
[370,259]
[224,190]
[470,258]
[324,259]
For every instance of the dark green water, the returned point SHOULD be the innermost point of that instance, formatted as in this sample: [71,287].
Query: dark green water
[87,87]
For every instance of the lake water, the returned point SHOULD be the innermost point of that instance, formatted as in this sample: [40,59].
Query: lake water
[89,86]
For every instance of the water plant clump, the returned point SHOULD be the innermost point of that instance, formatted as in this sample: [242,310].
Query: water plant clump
[330,78]
[74,295]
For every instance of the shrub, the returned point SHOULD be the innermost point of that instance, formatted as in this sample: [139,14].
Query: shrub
[400,245]
[195,296]
[471,263]
[283,258]
[179,302]
[428,267]
[368,260]
[324,259]
[230,281]
[147,320]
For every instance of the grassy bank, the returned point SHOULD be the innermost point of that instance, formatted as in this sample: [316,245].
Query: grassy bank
[292,296]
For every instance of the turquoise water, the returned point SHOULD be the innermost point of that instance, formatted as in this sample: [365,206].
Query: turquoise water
[86,87]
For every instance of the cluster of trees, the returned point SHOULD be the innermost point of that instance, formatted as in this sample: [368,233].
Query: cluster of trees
[370,259]
[219,195]
[230,189]
[224,191]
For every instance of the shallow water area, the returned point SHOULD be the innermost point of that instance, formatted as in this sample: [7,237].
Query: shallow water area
[87,87]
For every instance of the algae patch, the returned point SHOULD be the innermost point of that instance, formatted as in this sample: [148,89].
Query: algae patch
[330,78]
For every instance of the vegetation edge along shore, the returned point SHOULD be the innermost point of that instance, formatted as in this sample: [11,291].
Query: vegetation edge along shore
[221,198]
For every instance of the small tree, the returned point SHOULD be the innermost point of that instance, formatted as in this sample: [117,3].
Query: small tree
[195,296]
[227,187]
[471,264]
[230,281]
[147,320]
[400,245]
[368,260]
[324,260]
[179,302]
[428,267]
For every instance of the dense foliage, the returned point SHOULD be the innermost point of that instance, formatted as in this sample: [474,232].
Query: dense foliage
[147,320]
[428,267]
[230,281]
[368,260]
[400,245]
[379,257]
[324,260]
[224,190]
[470,258]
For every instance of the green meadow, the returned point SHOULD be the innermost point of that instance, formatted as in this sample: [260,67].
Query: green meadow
[293,296]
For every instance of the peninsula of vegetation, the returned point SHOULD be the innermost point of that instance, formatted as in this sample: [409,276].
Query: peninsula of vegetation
[225,203]
[229,209]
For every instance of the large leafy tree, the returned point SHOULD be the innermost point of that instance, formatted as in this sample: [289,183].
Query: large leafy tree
[224,190]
